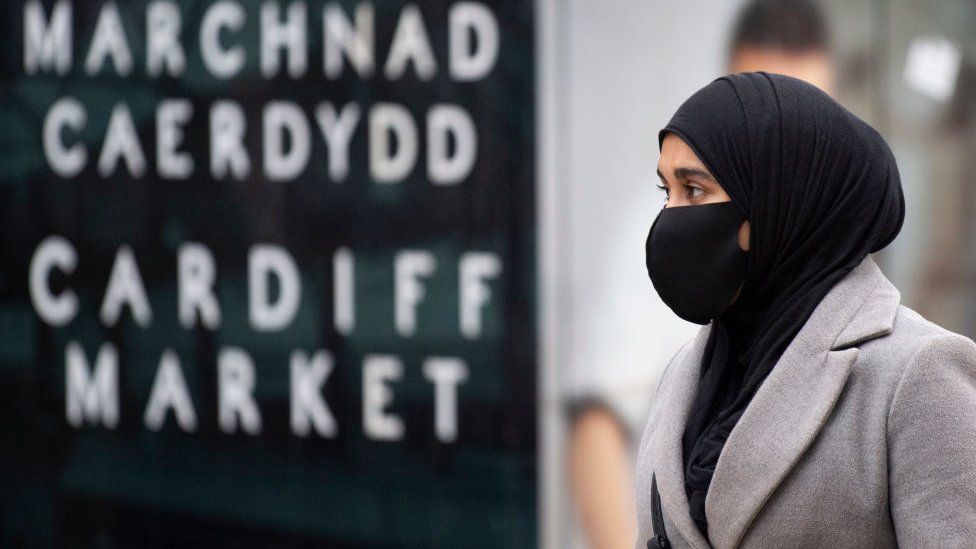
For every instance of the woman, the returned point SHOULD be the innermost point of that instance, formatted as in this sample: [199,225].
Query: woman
[812,410]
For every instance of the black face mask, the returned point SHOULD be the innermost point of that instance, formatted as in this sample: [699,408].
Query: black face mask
[694,260]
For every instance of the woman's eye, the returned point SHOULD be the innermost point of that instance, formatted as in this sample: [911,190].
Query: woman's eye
[693,192]
[664,190]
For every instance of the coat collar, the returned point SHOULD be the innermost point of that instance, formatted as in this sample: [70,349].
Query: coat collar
[784,416]
[876,315]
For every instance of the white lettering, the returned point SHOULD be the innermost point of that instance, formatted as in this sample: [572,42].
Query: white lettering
[442,167]
[288,35]
[95,396]
[282,117]
[467,20]
[227,152]
[410,44]
[337,131]
[445,373]
[55,310]
[474,268]
[308,407]
[125,287]
[378,424]
[163,49]
[197,271]
[222,63]
[171,115]
[344,290]
[108,41]
[64,161]
[169,391]
[121,142]
[387,165]
[339,37]
[235,377]
[47,45]
[408,267]
[264,260]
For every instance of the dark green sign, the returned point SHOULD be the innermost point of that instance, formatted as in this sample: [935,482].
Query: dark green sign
[267,274]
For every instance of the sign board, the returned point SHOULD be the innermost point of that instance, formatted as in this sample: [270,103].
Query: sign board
[268,273]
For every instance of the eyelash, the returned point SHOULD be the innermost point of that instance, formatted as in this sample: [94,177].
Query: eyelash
[667,193]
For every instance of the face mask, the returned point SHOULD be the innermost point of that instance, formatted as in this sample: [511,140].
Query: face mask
[694,260]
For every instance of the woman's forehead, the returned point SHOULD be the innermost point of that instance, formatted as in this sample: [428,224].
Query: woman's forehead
[675,153]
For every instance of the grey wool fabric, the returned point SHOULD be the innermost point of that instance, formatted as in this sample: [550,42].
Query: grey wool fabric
[862,435]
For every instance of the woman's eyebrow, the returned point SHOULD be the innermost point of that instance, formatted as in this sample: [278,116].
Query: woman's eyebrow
[685,173]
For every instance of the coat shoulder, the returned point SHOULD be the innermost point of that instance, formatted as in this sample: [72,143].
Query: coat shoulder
[917,342]
[915,334]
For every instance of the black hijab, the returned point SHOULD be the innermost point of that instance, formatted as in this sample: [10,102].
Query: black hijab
[821,191]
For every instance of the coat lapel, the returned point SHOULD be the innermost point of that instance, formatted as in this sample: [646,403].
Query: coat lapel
[793,403]
[665,441]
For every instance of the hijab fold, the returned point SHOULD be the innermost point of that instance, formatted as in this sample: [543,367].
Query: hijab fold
[821,191]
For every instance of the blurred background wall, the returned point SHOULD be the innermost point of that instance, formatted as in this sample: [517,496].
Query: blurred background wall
[623,67]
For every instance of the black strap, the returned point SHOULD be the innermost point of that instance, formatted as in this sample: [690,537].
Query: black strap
[660,539]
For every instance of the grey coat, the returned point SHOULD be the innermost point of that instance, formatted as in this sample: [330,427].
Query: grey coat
[863,435]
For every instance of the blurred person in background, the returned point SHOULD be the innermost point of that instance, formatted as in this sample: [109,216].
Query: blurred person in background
[784,37]
[781,36]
